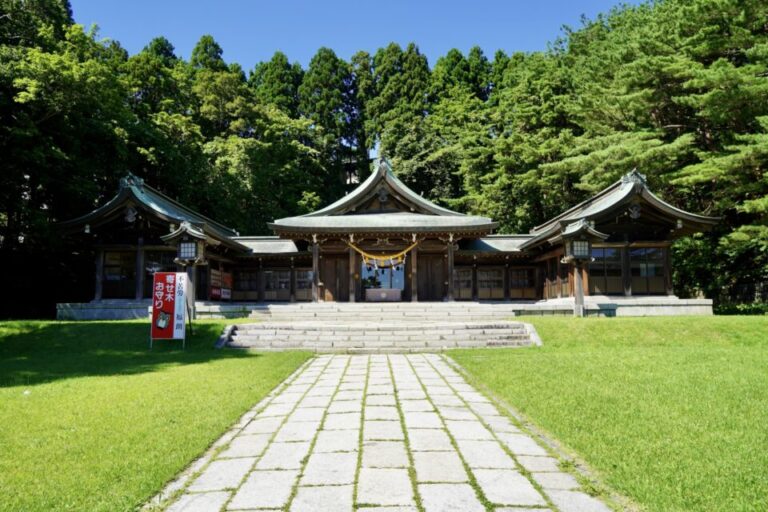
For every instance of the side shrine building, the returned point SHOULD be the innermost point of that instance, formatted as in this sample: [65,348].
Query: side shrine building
[384,242]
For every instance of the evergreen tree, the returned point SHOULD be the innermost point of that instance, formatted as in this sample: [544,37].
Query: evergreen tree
[207,55]
[162,48]
[277,82]
[327,98]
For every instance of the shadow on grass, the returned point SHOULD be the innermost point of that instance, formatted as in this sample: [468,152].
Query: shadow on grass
[37,352]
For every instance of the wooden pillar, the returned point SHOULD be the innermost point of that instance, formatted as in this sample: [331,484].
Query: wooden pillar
[414,277]
[315,271]
[668,271]
[292,280]
[99,274]
[585,278]
[558,280]
[626,272]
[451,248]
[352,272]
[260,281]
[139,269]
[506,281]
[191,289]
[475,288]
[578,289]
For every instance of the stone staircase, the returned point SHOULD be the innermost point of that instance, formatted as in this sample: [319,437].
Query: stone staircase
[380,327]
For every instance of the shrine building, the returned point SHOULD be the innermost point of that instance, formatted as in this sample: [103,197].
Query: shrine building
[383,242]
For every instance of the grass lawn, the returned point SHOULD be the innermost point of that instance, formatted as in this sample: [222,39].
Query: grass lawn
[91,420]
[672,412]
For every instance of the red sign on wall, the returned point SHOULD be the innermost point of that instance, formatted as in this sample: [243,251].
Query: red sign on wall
[169,305]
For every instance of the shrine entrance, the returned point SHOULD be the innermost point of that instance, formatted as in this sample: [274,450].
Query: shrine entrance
[334,275]
[383,284]
[431,274]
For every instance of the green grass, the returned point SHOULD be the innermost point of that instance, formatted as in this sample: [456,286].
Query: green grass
[672,412]
[91,420]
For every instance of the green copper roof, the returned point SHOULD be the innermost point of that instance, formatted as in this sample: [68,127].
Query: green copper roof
[420,215]
[133,192]
[631,189]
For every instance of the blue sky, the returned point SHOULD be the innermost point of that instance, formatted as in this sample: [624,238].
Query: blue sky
[251,31]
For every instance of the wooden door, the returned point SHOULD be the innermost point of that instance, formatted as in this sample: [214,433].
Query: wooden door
[334,274]
[431,277]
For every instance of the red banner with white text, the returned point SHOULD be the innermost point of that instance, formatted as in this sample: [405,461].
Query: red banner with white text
[169,305]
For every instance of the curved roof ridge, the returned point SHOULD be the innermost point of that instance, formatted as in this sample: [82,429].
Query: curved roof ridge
[382,173]
[632,183]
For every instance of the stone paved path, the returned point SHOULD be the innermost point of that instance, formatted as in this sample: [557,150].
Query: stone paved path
[383,433]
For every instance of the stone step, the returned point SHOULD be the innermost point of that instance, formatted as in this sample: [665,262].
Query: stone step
[432,345]
[383,340]
[363,327]
[319,327]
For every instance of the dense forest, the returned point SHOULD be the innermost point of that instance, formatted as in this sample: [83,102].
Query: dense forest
[677,89]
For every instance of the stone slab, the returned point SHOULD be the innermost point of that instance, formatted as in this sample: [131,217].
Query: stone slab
[201,502]
[507,487]
[336,441]
[384,454]
[342,421]
[449,498]
[263,425]
[471,430]
[381,412]
[246,446]
[382,430]
[222,474]
[521,444]
[386,487]
[322,499]
[427,439]
[264,489]
[575,501]
[284,456]
[330,469]
[380,400]
[439,467]
[485,454]
[297,431]
[538,464]
[556,480]
[422,420]
[340,406]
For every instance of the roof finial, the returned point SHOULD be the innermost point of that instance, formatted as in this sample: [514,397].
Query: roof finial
[634,177]
[131,180]
[383,165]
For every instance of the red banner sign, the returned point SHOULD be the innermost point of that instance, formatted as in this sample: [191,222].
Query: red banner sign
[169,305]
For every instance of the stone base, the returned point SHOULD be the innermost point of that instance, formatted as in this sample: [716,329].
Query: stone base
[116,309]
[601,305]
[604,305]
